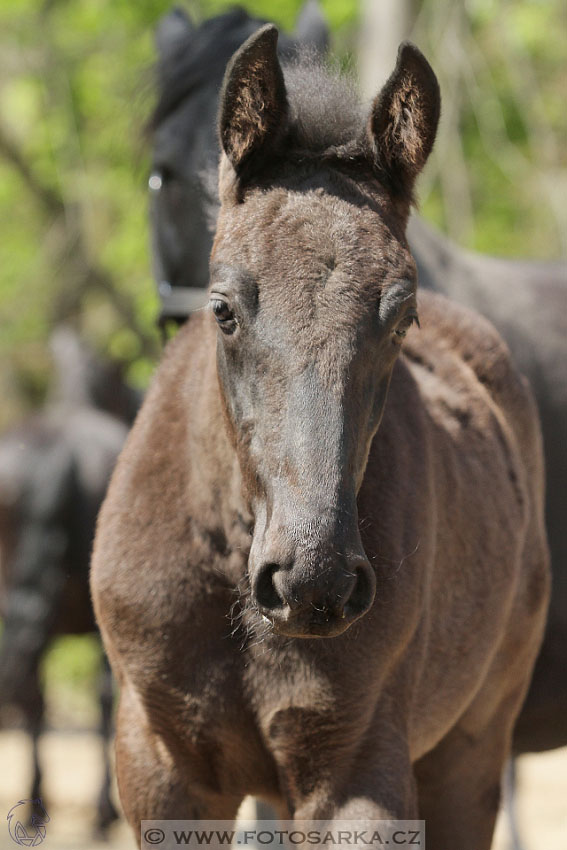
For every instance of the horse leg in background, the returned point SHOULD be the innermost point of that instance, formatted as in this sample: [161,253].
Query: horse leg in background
[24,643]
[35,707]
[509,804]
[106,811]
[28,698]
[37,578]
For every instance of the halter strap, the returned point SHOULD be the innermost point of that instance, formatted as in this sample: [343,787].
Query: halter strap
[178,302]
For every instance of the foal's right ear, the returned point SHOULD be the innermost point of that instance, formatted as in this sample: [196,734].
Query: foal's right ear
[403,122]
[253,101]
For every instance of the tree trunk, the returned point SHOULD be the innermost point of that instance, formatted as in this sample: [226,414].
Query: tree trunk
[383,25]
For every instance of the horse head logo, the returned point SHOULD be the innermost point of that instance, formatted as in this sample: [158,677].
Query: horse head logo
[34,833]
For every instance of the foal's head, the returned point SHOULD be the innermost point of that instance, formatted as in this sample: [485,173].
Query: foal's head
[313,289]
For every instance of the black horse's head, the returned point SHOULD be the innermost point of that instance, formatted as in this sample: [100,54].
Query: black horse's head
[183,192]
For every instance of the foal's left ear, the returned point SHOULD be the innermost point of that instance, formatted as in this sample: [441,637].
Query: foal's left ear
[403,122]
[253,101]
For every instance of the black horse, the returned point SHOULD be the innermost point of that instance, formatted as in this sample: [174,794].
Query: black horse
[54,470]
[191,64]
[525,300]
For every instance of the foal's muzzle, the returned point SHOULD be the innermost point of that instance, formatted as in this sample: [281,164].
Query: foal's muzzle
[303,601]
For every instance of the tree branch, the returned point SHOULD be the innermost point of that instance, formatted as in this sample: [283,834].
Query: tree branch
[81,274]
[48,197]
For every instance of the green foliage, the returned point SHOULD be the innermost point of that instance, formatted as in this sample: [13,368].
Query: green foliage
[339,13]
[501,137]
[72,106]
[76,90]
[70,671]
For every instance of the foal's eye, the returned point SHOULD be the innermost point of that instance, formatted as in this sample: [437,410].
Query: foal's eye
[405,324]
[224,315]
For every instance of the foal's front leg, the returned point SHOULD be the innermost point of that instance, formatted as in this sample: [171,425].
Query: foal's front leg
[327,777]
[459,790]
[459,782]
[157,779]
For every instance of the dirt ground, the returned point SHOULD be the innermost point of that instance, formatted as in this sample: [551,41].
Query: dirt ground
[72,765]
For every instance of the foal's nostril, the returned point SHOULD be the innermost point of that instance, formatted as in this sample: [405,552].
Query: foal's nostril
[362,594]
[264,589]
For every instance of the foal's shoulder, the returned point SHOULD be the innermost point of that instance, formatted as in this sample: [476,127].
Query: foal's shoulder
[464,333]
[464,350]
[452,332]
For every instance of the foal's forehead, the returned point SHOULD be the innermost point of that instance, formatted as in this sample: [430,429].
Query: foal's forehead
[312,239]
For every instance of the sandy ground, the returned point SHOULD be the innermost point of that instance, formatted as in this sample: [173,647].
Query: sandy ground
[72,765]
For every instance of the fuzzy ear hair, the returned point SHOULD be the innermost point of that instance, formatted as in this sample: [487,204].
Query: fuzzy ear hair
[403,122]
[253,100]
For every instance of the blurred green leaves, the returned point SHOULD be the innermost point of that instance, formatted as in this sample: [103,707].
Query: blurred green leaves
[501,147]
[75,91]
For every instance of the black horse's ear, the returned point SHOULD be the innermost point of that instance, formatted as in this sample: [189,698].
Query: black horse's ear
[311,28]
[172,28]
[253,100]
[403,122]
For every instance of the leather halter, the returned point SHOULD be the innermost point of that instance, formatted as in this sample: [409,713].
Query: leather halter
[178,302]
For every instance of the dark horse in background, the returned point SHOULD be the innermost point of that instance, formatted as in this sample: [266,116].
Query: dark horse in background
[54,470]
[373,494]
[525,300]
